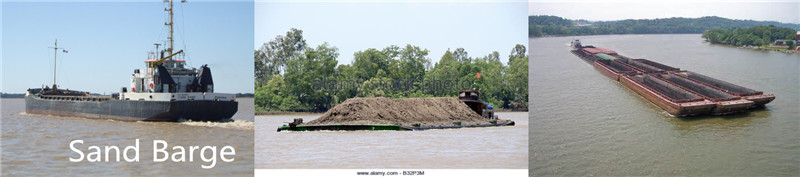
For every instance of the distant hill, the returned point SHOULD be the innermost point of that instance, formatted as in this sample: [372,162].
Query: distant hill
[12,95]
[546,25]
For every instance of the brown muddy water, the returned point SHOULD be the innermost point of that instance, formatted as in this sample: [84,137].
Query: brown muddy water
[492,147]
[35,145]
[584,124]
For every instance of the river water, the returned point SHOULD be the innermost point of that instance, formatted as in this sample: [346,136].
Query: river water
[35,145]
[583,123]
[492,147]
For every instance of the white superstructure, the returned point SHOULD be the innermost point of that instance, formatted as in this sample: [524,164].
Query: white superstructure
[166,78]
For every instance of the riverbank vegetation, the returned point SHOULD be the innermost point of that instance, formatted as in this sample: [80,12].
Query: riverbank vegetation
[545,25]
[759,36]
[294,77]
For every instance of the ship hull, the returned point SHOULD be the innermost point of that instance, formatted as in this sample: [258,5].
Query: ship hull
[133,110]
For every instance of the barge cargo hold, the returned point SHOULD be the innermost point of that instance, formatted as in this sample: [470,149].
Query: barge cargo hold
[672,99]
[678,92]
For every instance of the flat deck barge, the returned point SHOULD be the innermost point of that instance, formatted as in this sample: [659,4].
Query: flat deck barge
[678,92]
[378,127]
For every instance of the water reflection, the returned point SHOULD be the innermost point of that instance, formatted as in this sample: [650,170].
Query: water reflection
[729,122]
[38,145]
[493,147]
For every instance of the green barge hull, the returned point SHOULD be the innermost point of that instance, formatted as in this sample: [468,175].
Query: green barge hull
[340,127]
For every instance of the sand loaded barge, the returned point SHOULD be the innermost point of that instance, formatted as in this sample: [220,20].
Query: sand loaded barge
[404,114]
[679,92]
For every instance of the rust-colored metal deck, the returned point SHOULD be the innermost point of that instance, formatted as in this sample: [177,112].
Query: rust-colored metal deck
[678,92]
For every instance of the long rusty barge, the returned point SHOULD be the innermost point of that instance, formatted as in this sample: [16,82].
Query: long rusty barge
[678,92]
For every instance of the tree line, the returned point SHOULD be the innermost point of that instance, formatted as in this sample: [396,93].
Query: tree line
[753,36]
[12,95]
[292,76]
[546,25]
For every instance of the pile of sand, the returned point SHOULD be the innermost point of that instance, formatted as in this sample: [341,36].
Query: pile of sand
[427,112]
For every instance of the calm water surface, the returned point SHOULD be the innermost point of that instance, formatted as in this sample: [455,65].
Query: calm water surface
[494,147]
[583,123]
[35,145]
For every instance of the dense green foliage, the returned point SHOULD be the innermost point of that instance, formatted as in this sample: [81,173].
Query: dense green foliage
[544,25]
[753,36]
[291,76]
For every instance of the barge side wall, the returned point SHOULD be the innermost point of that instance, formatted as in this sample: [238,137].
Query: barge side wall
[129,110]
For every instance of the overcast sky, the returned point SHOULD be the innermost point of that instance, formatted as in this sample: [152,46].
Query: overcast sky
[781,11]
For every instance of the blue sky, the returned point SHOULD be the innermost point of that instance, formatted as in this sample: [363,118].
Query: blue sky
[107,41]
[786,11]
[351,26]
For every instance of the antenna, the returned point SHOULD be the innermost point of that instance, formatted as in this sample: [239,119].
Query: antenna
[157,52]
[55,56]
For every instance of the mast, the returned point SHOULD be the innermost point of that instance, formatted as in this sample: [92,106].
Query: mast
[55,56]
[170,47]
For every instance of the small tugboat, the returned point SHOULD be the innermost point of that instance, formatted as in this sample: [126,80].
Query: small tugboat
[678,92]
[166,90]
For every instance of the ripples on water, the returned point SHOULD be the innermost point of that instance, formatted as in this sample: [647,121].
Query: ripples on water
[35,145]
[493,147]
[583,123]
